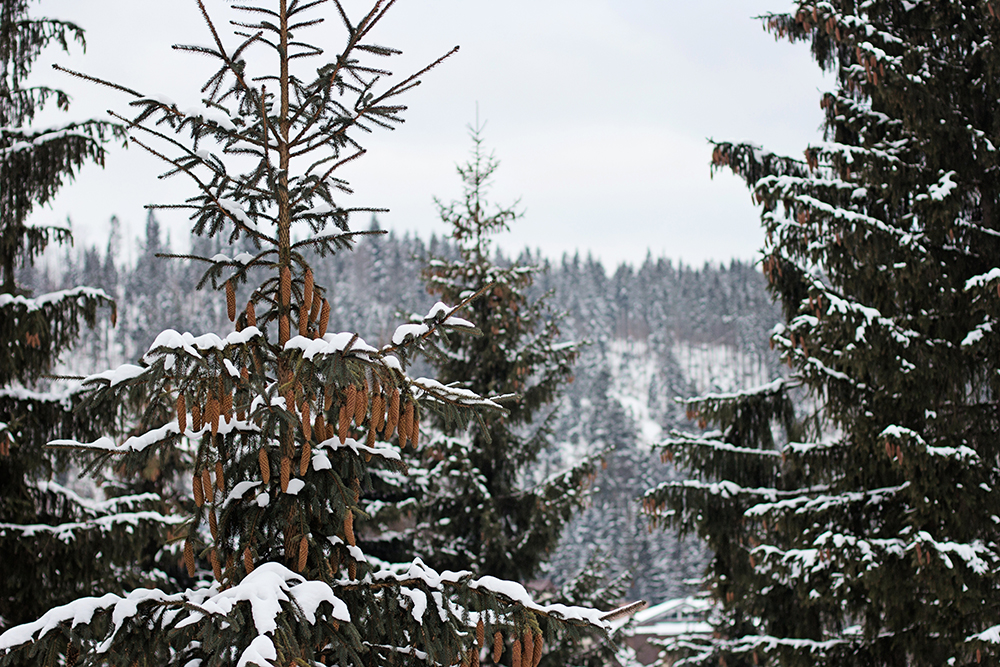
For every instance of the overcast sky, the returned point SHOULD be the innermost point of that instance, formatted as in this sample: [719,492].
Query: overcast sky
[599,111]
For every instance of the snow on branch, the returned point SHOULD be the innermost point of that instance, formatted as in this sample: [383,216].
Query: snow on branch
[440,314]
[453,395]
[339,343]
[982,279]
[265,590]
[168,431]
[170,341]
[903,237]
[116,376]
[66,532]
[772,387]
[508,591]
[690,439]
[95,507]
[31,305]
[977,334]
[751,643]
[63,397]
[384,450]
[724,489]
[974,554]
[838,304]
[519,595]
[960,453]
[809,502]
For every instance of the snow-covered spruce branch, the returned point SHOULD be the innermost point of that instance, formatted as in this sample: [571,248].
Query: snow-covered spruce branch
[682,439]
[67,532]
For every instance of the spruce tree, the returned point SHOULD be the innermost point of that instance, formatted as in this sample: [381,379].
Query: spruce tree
[54,544]
[286,419]
[858,525]
[481,508]
[480,502]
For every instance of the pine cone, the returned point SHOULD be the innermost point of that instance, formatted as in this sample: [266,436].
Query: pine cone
[285,296]
[206,485]
[539,645]
[303,322]
[189,557]
[306,425]
[181,413]
[344,422]
[230,300]
[196,422]
[247,560]
[303,553]
[306,458]
[251,314]
[406,424]
[324,318]
[283,329]
[319,426]
[216,567]
[286,472]
[497,646]
[212,414]
[317,305]
[515,654]
[393,415]
[480,633]
[197,491]
[378,412]
[227,406]
[213,524]
[349,528]
[199,495]
[307,289]
[265,466]
[220,480]
[361,404]
[527,649]
[351,399]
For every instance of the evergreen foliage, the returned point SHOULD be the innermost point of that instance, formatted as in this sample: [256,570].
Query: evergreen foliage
[286,421]
[478,504]
[860,529]
[54,544]
[476,511]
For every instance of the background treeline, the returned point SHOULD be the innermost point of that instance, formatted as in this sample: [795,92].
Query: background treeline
[652,333]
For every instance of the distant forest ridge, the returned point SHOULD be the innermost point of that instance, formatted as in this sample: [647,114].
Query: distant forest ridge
[716,304]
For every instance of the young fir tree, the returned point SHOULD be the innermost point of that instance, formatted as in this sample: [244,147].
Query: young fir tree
[866,534]
[478,506]
[54,544]
[286,419]
[481,509]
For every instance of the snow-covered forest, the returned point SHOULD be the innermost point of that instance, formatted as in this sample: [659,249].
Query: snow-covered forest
[294,439]
[653,333]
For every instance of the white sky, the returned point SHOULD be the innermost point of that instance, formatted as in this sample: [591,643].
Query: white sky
[599,111]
